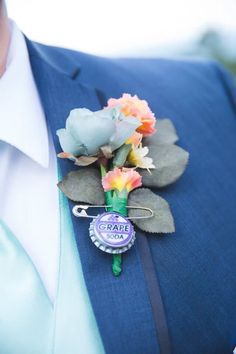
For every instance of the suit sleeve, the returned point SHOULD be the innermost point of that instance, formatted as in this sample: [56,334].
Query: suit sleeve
[228,82]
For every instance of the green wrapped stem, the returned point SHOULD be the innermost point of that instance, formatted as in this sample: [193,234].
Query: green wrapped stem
[116,264]
[118,204]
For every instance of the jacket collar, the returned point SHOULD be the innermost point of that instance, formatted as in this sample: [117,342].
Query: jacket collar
[121,305]
[55,58]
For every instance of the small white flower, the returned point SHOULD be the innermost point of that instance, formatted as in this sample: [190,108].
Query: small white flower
[138,158]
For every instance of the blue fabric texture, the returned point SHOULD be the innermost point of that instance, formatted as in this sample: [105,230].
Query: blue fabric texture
[195,266]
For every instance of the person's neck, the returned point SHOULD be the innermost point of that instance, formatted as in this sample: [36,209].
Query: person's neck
[4,38]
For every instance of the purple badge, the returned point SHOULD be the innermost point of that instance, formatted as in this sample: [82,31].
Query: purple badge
[112,232]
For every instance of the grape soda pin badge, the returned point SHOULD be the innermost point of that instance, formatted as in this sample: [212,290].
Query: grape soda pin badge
[112,233]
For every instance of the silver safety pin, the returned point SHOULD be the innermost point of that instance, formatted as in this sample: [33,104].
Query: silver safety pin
[83,214]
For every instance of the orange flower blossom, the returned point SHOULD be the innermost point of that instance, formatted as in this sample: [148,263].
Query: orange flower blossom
[121,179]
[133,106]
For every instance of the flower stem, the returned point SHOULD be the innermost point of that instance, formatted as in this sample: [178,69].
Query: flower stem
[118,203]
[116,264]
[121,155]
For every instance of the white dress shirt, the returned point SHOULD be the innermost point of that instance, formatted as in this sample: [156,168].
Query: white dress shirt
[28,172]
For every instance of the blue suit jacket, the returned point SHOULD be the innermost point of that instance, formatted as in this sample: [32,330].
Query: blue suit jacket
[194,269]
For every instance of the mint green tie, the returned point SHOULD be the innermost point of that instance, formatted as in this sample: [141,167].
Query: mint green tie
[75,329]
[28,322]
[26,313]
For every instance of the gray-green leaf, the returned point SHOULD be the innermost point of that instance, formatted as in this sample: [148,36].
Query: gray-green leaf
[85,160]
[170,162]
[165,134]
[83,186]
[161,222]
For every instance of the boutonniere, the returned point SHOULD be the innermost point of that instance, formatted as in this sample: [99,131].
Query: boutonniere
[120,150]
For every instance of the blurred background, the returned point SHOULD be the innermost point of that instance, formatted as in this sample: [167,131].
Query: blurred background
[205,28]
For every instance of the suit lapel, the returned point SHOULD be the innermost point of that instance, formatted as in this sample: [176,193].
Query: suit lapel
[121,305]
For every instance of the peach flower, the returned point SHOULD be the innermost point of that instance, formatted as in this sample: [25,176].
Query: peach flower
[135,139]
[133,106]
[121,179]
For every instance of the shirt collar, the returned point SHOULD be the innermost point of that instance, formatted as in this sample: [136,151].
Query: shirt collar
[22,119]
